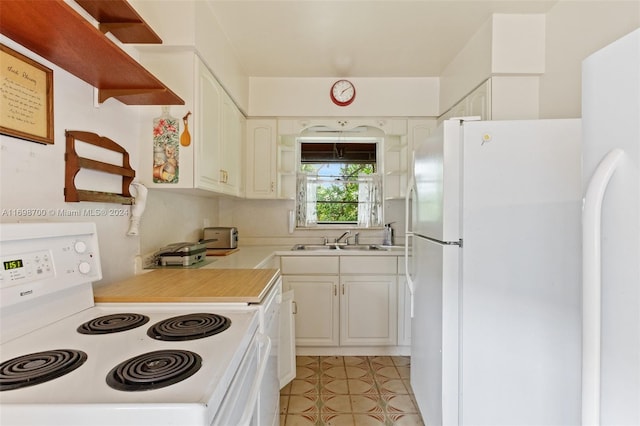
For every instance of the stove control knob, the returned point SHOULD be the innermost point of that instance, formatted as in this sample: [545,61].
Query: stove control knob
[80,247]
[84,267]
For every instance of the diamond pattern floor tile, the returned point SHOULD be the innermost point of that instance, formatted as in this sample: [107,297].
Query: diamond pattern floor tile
[350,391]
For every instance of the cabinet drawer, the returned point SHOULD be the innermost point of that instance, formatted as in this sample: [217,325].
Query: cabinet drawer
[368,265]
[309,265]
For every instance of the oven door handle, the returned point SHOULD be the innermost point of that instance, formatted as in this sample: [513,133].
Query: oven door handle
[265,341]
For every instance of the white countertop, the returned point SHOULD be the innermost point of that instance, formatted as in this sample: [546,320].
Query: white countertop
[249,257]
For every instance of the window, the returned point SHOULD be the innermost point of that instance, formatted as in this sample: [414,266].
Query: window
[338,183]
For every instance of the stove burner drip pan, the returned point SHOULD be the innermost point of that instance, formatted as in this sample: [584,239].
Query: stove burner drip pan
[33,369]
[154,370]
[189,327]
[113,323]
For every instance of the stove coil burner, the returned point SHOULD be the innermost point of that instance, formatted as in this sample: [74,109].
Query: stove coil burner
[33,369]
[113,323]
[154,370]
[189,327]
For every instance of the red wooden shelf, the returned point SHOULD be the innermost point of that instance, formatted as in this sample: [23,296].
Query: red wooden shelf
[119,18]
[55,31]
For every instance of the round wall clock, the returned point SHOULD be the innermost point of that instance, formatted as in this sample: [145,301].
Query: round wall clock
[342,92]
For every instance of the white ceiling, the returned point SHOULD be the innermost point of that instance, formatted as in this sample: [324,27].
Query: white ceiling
[355,38]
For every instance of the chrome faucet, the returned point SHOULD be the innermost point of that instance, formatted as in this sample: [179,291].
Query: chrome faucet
[342,236]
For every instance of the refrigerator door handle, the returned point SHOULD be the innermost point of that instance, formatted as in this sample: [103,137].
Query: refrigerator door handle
[591,285]
[408,233]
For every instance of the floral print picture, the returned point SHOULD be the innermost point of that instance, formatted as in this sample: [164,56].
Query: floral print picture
[166,154]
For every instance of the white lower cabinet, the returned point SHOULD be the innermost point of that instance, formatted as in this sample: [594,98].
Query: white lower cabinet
[316,308]
[368,310]
[286,355]
[343,300]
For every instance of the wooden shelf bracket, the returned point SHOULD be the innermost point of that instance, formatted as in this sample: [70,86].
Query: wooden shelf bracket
[74,163]
[61,35]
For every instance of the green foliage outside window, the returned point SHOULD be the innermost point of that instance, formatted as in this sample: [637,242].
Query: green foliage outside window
[337,194]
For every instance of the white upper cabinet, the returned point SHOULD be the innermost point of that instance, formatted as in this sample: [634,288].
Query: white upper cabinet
[476,103]
[218,165]
[231,148]
[212,161]
[261,159]
[209,98]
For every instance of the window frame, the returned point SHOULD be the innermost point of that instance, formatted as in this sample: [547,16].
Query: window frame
[378,167]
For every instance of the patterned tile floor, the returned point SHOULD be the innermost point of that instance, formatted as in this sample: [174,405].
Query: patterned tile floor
[349,391]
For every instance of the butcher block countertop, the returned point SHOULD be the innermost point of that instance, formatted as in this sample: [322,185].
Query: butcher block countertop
[190,285]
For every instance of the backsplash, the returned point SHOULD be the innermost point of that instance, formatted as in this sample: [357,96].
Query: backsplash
[266,222]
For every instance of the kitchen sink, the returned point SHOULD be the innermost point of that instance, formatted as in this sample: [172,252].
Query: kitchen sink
[314,247]
[361,247]
[356,247]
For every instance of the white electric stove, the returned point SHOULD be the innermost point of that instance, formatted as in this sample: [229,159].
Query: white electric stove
[62,362]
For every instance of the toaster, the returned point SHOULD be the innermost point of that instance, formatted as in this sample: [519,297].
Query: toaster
[226,237]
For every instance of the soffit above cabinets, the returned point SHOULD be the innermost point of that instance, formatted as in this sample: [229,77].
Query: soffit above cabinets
[59,34]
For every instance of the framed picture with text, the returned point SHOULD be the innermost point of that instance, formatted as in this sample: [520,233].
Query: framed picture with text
[26,98]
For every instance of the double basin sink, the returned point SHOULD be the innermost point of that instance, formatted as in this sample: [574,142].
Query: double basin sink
[357,247]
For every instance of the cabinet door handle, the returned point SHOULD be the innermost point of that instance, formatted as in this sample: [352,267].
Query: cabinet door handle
[273,186]
[343,289]
[295,307]
[335,290]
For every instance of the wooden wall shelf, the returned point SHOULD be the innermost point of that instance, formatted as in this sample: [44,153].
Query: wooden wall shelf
[74,163]
[55,31]
[121,20]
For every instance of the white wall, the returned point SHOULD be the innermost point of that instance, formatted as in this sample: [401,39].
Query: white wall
[182,23]
[172,216]
[32,177]
[507,47]
[517,50]
[575,29]
[470,67]
[517,43]
[378,97]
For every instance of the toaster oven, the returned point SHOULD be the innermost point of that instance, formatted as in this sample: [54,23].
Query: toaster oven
[225,237]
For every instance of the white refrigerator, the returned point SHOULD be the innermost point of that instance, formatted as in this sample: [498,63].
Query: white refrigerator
[495,273]
[611,241]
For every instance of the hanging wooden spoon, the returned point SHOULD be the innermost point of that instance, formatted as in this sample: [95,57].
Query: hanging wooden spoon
[185,138]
